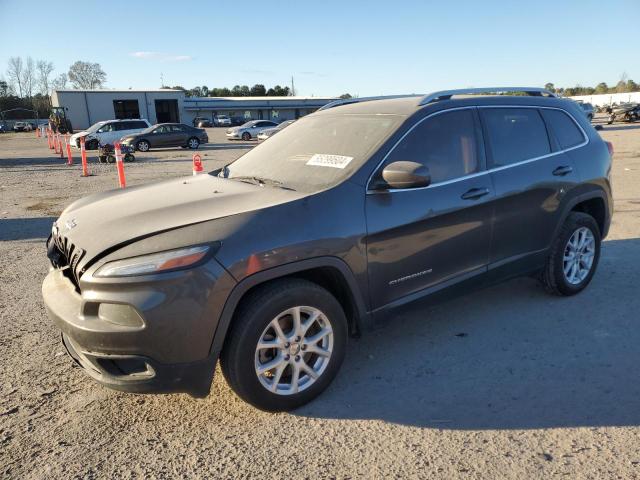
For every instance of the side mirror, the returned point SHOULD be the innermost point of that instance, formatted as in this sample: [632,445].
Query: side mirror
[406,175]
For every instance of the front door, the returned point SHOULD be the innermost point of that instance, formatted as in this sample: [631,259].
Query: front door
[422,237]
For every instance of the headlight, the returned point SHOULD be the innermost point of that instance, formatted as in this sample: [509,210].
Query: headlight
[154,263]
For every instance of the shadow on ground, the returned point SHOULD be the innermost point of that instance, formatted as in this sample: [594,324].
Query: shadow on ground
[612,128]
[506,357]
[25,228]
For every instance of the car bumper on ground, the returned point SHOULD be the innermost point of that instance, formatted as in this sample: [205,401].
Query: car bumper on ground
[144,337]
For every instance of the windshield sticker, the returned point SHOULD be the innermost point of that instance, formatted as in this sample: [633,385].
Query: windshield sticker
[324,160]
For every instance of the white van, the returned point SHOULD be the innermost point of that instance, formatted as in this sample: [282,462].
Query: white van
[109,131]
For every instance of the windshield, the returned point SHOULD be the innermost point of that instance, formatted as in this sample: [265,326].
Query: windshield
[95,127]
[223,117]
[316,152]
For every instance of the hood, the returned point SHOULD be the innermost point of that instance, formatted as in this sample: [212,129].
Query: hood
[112,219]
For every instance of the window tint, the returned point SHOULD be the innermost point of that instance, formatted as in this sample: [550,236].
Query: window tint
[123,126]
[109,127]
[445,144]
[177,128]
[515,134]
[138,124]
[162,129]
[564,128]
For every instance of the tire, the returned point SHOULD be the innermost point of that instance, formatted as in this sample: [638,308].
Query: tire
[554,278]
[143,146]
[611,118]
[193,143]
[111,159]
[129,157]
[102,159]
[252,322]
[246,136]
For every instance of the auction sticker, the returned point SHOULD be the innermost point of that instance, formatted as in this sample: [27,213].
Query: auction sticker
[334,161]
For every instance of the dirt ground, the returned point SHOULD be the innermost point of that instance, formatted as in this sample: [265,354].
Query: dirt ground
[508,382]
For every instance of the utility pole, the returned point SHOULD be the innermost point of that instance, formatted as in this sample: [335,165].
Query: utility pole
[293,89]
[161,80]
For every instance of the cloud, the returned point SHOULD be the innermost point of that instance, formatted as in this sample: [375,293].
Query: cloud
[163,57]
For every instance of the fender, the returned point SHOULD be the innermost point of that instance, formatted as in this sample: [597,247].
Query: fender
[362,316]
[596,193]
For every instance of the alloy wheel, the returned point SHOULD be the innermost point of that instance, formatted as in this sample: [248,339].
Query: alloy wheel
[294,350]
[578,257]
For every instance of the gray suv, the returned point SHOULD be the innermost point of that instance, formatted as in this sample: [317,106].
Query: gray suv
[271,263]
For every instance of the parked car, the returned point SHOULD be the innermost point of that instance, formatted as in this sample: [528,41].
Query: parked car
[588,110]
[270,263]
[249,130]
[269,132]
[22,127]
[3,128]
[205,123]
[222,121]
[195,122]
[167,135]
[626,112]
[108,132]
[237,121]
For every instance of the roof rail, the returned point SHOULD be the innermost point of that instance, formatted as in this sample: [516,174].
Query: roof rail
[347,101]
[447,94]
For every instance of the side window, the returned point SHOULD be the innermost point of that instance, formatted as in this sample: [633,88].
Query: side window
[444,143]
[109,127]
[177,128]
[515,134]
[563,127]
[138,124]
[123,126]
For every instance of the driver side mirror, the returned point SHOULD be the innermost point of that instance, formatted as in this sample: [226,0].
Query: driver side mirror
[406,175]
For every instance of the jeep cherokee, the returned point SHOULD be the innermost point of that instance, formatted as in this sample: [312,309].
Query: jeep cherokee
[270,263]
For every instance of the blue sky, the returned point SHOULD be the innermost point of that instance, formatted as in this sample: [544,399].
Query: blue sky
[332,47]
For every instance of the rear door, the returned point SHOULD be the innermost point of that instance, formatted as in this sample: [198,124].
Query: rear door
[177,136]
[531,175]
[424,237]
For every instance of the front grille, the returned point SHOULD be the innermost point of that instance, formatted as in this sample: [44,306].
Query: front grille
[65,256]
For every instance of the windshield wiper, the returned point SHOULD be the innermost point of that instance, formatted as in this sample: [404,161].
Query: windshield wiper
[254,180]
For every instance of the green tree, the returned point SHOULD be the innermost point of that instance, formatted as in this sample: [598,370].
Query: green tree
[602,87]
[549,86]
[346,96]
[258,90]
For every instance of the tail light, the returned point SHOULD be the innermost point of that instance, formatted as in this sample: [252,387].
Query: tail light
[610,147]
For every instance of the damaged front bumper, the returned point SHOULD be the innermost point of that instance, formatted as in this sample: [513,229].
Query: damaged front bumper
[145,334]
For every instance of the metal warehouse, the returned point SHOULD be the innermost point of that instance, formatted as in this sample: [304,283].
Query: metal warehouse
[86,107]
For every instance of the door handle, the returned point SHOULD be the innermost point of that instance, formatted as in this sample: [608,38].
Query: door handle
[475,193]
[563,170]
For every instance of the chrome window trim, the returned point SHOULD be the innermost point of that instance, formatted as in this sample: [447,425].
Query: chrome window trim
[488,170]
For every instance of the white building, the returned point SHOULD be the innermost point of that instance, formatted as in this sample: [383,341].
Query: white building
[608,98]
[86,107]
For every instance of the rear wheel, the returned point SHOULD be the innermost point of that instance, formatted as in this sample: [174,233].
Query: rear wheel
[246,136]
[574,255]
[111,159]
[286,345]
[143,146]
[193,143]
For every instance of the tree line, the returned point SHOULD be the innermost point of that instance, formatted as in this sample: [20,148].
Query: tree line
[28,83]
[258,90]
[624,85]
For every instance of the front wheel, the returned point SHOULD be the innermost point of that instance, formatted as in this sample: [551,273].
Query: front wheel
[574,255]
[246,136]
[193,143]
[286,345]
[143,146]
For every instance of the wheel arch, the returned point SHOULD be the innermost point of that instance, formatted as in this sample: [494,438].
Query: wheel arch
[331,273]
[594,203]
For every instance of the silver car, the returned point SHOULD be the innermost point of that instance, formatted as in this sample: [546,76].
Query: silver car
[269,132]
[249,130]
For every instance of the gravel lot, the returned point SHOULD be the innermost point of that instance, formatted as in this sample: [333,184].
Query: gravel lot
[507,382]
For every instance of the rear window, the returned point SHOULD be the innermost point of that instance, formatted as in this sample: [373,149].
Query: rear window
[564,128]
[515,134]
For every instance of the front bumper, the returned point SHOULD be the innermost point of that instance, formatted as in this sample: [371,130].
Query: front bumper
[233,135]
[144,336]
